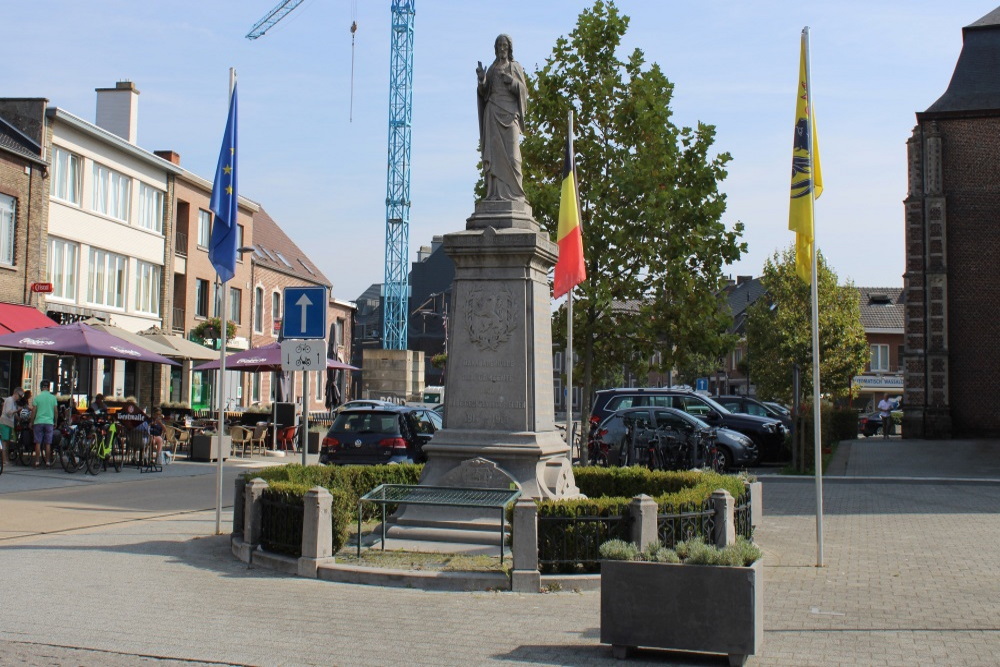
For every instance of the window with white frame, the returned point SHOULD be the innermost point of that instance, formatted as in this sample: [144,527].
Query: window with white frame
[880,358]
[255,387]
[66,176]
[8,223]
[147,288]
[320,386]
[557,358]
[235,304]
[276,306]
[62,268]
[112,192]
[150,208]
[258,310]
[106,284]
[204,228]
[558,391]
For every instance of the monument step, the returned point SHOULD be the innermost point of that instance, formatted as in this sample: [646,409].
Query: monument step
[456,534]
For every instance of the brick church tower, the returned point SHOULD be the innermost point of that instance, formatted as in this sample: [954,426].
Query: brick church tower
[952,279]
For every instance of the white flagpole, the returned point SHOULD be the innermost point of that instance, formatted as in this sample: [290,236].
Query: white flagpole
[224,326]
[817,443]
[569,344]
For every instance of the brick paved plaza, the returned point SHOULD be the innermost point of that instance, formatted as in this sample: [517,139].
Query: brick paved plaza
[912,578]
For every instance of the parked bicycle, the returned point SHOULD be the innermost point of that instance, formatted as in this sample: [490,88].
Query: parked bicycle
[76,444]
[106,445]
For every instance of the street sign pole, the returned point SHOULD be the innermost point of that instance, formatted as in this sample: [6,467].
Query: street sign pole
[305,415]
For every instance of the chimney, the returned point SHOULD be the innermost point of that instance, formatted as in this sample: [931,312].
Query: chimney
[423,253]
[118,110]
[743,279]
[169,156]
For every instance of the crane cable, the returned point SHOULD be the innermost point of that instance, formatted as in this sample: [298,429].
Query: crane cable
[354,29]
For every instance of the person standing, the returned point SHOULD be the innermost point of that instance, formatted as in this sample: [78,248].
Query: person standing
[43,420]
[885,412]
[7,416]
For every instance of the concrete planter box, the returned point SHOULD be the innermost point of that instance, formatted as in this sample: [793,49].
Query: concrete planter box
[705,608]
[206,447]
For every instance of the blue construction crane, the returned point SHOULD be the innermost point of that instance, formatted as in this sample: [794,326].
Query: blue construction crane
[396,286]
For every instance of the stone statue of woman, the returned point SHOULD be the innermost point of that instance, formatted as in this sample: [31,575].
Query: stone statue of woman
[503,100]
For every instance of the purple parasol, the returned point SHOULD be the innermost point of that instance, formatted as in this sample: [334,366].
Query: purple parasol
[82,340]
[263,358]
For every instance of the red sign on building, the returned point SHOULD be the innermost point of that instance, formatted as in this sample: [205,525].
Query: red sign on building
[43,288]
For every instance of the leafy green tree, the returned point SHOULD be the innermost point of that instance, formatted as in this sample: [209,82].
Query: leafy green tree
[779,331]
[654,242]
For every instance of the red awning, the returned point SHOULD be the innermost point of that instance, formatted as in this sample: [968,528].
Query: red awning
[15,317]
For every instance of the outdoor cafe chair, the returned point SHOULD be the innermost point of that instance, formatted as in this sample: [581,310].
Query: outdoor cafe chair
[258,438]
[240,438]
[287,437]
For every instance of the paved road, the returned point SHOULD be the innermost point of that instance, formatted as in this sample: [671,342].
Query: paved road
[910,578]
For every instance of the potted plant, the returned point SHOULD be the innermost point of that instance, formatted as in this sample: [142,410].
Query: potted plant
[695,597]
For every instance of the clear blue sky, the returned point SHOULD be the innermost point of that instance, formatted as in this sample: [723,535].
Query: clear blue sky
[734,65]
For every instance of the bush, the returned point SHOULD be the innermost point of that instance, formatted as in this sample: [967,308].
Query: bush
[692,552]
[619,550]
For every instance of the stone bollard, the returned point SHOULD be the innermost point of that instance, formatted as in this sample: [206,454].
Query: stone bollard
[756,491]
[252,513]
[525,578]
[317,530]
[239,505]
[725,518]
[644,510]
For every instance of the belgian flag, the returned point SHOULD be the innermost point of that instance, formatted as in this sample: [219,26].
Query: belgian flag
[570,270]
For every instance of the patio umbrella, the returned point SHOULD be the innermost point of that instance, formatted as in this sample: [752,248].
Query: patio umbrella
[183,348]
[264,358]
[82,340]
[135,339]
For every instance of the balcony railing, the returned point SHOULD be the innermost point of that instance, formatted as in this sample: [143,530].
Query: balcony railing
[178,322]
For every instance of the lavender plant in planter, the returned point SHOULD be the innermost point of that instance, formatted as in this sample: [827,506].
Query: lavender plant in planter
[697,598]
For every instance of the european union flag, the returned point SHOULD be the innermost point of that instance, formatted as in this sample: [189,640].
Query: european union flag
[224,204]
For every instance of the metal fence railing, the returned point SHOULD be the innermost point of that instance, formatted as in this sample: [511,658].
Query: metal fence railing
[564,542]
[281,526]
[743,516]
[674,528]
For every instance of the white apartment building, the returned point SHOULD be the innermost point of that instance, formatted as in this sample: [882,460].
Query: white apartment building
[109,220]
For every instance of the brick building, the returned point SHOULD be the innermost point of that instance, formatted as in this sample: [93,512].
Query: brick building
[952,241]
[277,262]
[24,209]
[882,313]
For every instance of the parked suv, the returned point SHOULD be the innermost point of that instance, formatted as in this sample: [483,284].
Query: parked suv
[388,434]
[768,434]
[752,406]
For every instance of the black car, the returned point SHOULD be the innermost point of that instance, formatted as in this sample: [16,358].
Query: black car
[733,449]
[752,406]
[768,434]
[388,434]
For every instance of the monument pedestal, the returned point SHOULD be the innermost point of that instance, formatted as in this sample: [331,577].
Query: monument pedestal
[499,429]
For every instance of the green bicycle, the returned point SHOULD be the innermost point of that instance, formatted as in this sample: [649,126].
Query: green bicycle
[105,446]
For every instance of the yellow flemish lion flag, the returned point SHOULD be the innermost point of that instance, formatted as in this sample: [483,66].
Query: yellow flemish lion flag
[570,270]
[807,178]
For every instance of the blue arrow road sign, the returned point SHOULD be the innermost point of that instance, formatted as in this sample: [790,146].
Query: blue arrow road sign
[305,312]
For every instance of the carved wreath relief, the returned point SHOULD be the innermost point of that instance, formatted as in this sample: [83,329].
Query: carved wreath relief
[489,317]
